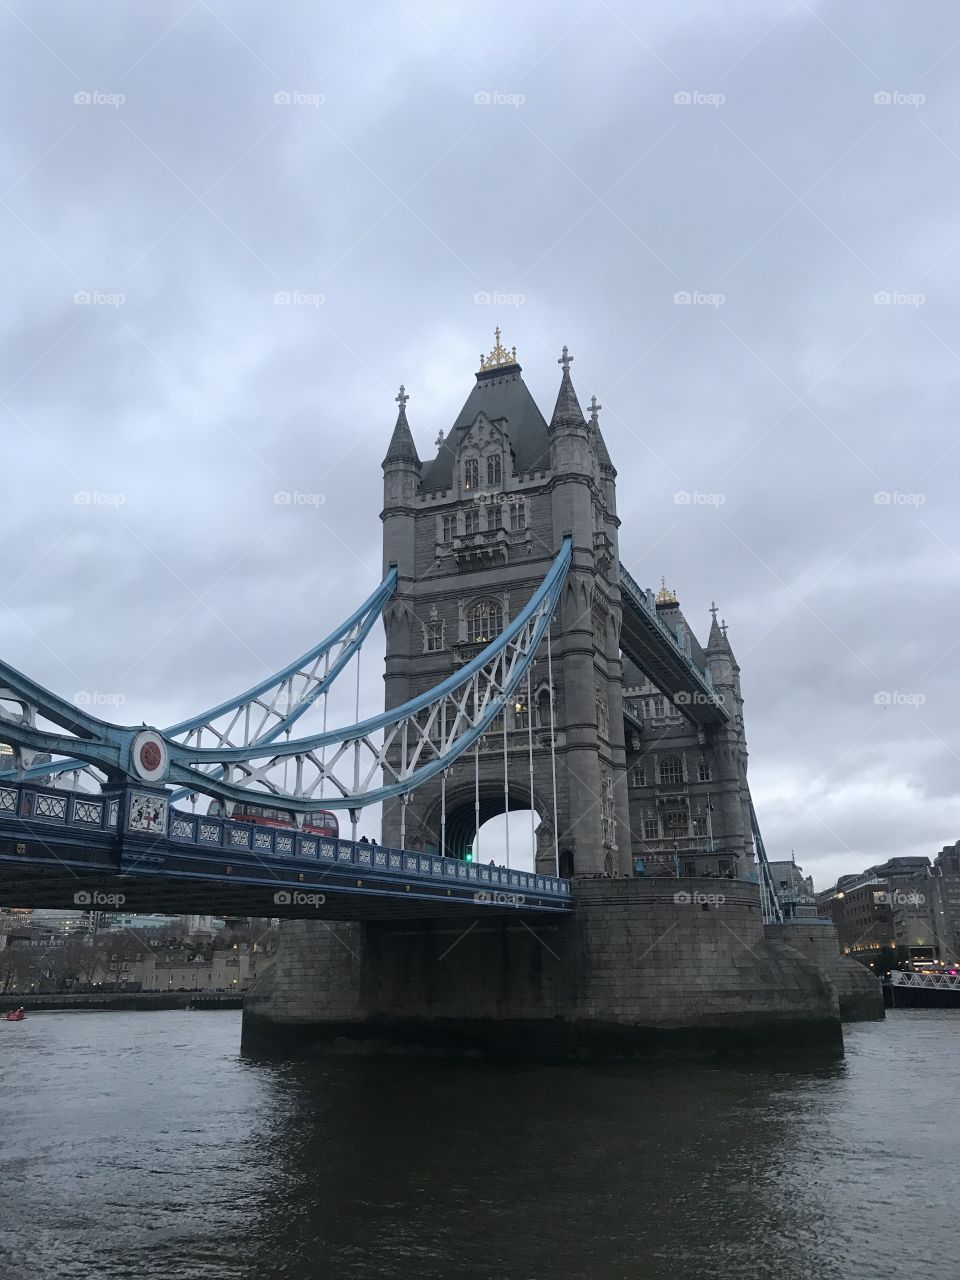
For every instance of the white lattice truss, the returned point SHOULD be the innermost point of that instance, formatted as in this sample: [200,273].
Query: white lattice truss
[390,754]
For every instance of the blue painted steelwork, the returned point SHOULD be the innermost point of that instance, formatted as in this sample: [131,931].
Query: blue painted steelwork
[78,832]
[409,752]
[50,706]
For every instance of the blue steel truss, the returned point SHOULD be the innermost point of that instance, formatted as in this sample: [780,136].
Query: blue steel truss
[399,749]
[261,714]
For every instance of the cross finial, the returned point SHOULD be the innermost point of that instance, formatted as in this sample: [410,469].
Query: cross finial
[566,360]
[440,437]
[723,627]
[713,609]
[594,409]
[402,399]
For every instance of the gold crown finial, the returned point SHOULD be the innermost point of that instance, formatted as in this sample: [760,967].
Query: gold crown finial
[499,356]
[665,595]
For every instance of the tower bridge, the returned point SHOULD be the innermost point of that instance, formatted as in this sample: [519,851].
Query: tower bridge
[525,670]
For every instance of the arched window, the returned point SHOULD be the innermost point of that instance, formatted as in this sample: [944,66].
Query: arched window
[675,824]
[671,770]
[484,621]
[471,474]
[494,470]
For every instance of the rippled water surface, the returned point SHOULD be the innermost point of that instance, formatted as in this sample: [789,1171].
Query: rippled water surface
[141,1145]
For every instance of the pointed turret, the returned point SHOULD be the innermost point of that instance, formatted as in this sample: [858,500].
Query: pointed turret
[567,413]
[402,447]
[716,640]
[401,483]
[603,457]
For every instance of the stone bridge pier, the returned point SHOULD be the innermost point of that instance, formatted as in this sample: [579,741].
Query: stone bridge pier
[642,967]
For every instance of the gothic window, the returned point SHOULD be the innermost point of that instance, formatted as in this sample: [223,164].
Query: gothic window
[700,823]
[493,469]
[703,771]
[675,824]
[484,621]
[638,776]
[494,516]
[658,708]
[448,528]
[471,474]
[671,771]
[521,713]
[650,830]
[518,516]
[471,521]
[434,636]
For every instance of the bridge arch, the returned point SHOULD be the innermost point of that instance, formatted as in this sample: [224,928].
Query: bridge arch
[461,814]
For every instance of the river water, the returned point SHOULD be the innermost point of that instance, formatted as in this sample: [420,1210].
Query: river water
[143,1146]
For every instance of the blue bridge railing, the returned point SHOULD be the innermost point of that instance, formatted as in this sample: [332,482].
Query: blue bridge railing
[76,815]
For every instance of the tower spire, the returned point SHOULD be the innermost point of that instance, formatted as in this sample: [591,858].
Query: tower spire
[567,411]
[402,447]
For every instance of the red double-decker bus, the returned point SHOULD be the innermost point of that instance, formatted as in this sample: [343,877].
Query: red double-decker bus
[320,823]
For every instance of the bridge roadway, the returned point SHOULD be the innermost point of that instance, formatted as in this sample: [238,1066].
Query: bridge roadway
[74,850]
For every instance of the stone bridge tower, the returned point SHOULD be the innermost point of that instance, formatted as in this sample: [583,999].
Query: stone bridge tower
[472,533]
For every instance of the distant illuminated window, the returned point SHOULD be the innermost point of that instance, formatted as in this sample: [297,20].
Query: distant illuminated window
[471,474]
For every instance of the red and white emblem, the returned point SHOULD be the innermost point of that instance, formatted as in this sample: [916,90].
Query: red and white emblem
[149,756]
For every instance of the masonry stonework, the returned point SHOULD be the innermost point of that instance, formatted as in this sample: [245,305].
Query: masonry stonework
[633,972]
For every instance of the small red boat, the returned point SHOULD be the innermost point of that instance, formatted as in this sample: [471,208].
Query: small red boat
[15,1015]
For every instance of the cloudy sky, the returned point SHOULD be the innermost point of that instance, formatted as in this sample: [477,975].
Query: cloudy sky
[741,218]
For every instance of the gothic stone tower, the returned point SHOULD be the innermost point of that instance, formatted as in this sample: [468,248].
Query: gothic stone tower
[689,801]
[472,533]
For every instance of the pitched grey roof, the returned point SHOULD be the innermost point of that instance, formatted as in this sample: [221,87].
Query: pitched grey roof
[501,394]
[567,411]
[402,447]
